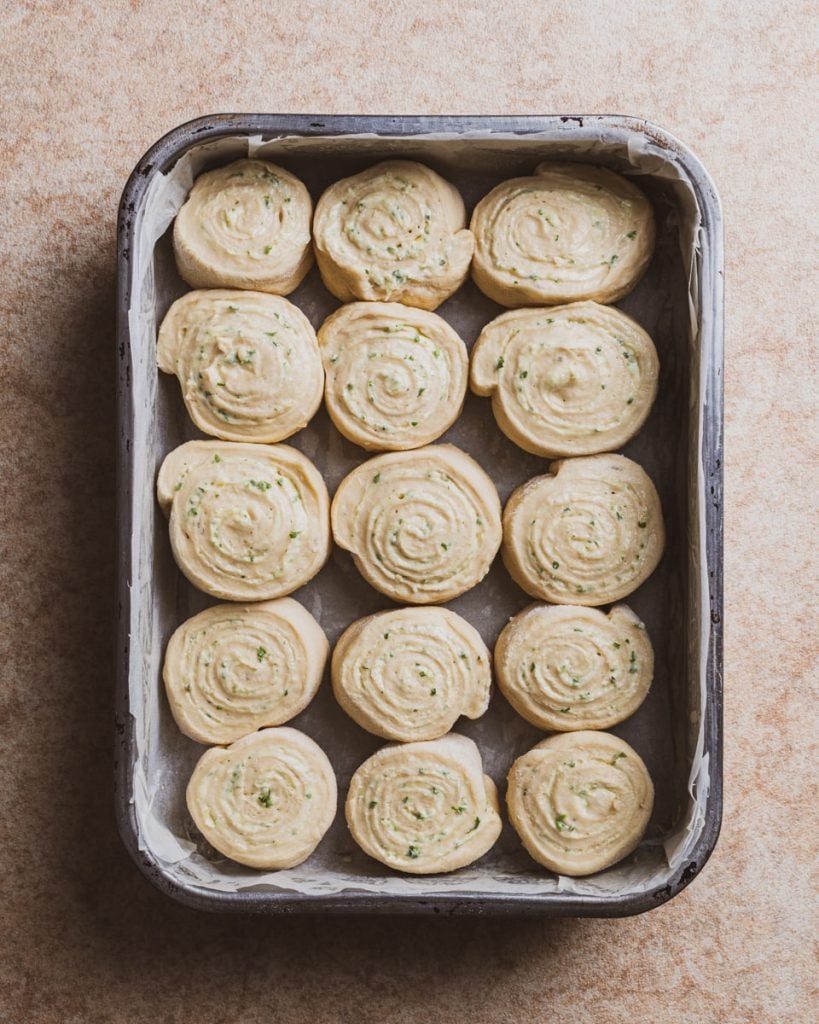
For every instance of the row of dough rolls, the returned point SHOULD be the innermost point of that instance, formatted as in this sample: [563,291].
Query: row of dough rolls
[251,522]
[397,232]
[569,380]
[406,674]
[579,802]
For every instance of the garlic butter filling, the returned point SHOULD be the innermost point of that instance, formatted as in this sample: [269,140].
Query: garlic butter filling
[580,801]
[248,522]
[396,376]
[423,526]
[565,668]
[569,380]
[410,674]
[234,668]
[266,800]
[569,232]
[588,533]
[246,225]
[394,233]
[248,363]
[424,808]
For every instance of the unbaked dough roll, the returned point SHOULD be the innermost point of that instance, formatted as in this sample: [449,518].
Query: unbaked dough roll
[565,668]
[589,533]
[246,225]
[248,522]
[395,232]
[424,808]
[396,376]
[572,231]
[409,674]
[572,380]
[248,363]
[266,800]
[580,801]
[422,526]
[234,668]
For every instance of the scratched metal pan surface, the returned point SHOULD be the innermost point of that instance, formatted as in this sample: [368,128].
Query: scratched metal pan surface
[677,730]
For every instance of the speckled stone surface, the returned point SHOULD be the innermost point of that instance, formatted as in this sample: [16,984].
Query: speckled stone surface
[86,88]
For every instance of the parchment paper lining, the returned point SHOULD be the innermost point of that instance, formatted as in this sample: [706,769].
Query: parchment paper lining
[670,721]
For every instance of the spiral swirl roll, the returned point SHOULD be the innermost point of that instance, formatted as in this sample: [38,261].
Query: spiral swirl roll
[572,380]
[422,526]
[248,363]
[396,233]
[424,808]
[246,225]
[396,376]
[589,534]
[409,674]
[572,231]
[565,668]
[234,668]
[248,522]
[580,801]
[266,800]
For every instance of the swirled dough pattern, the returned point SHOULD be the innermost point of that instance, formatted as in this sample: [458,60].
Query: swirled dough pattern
[565,668]
[248,522]
[246,225]
[589,533]
[424,808]
[395,232]
[396,376]
[234,668]
[266,800]
[422,526]
[248,363]
[568,380]
[409,674]
[572,231]
[580,801]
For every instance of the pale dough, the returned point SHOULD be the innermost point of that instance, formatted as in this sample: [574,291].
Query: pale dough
[248,363]
[571,231]
[423,526]
[396,376]
[580,801]
[424,808]
[234,668]
[395,232]
[566,668]
[588,534]
[246,225]
[409,674]
[248,522]
[266,800]
[568,380]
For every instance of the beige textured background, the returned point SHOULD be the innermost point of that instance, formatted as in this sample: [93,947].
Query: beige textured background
[86,87]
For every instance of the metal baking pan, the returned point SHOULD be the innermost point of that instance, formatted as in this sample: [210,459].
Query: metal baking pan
[678,728]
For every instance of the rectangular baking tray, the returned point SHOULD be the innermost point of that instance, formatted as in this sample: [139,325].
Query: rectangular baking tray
[678,729]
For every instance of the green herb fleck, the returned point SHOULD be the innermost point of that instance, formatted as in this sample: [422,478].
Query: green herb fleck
[562,824]
[294,534]
[260,653]
[499,363]
[414,852]
[373,803]
[264,797]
